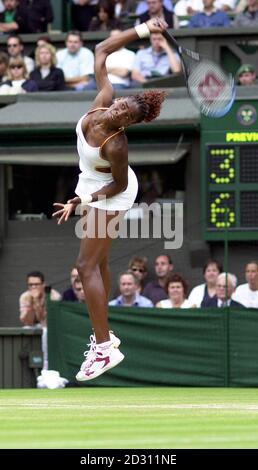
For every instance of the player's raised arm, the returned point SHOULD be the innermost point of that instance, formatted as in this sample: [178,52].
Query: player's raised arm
[114,43]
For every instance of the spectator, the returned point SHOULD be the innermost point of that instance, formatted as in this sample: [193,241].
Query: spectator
[209,17]
[246,75]
[138,266]
[225,286]
[249,17]
[155,61]
[157,9]
[123,8]
[82,13]
[241,6]
[190,7]
[33,307]
[42,41]
[3,66]
[76,61]
[142,6]
[33,301]
[128,286]
[11,19]
[155,290]
[17,79]
[78,289]
[119,66]
[202,294]
[39,14]
[176,289]
[247,293]
[105,19]
[47,76]
[69,294]
[225,5]
[15,48]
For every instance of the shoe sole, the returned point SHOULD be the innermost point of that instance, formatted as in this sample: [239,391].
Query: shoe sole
[101,371]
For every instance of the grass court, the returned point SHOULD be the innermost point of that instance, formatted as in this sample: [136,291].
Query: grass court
[129,418]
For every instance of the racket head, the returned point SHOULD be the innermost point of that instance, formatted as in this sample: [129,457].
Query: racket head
[211,88]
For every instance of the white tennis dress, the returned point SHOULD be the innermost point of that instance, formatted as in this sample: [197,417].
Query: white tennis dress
[92,180]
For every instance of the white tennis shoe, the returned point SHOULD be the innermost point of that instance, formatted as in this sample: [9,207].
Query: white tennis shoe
[98,362]
[91,356]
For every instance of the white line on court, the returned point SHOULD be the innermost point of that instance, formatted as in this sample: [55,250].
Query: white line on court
[55,404]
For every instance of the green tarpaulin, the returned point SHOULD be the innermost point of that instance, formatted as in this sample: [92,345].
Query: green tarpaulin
[191,347]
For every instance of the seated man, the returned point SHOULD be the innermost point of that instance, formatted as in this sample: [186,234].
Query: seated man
[12,19]
[69,294]
[33,310]
[158,60]
[247,293]
[210,17]
[128,286]
[249,16]
[157,9]
[39,14]
[155,290]
[78,289]
[225,286]
[119,66]
[76,61]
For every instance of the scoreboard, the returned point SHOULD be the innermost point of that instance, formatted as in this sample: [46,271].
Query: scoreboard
[229,173]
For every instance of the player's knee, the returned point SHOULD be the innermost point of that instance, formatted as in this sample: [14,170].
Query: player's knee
[84,268]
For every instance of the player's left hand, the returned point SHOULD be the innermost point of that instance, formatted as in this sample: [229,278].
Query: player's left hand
[64,211]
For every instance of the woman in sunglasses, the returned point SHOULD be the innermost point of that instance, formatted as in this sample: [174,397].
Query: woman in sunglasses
[17,79]
[138,266]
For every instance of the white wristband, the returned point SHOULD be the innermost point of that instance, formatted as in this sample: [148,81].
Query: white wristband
[142,30]
[86,199]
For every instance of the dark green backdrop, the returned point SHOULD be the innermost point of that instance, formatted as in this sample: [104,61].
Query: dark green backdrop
[210,348]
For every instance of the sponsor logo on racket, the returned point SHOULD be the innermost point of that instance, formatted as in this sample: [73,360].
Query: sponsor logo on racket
[211,87]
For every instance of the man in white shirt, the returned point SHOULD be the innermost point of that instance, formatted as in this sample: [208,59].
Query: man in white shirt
[247,293]
[76,61]
[119,65]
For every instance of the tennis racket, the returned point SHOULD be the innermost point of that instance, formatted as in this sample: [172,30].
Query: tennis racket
[211,89]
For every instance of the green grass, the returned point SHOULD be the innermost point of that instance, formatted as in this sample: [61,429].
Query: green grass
[150,418]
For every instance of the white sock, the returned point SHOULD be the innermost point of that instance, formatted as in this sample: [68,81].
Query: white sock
[104,346]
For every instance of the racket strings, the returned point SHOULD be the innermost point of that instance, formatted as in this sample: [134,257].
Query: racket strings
[210,87]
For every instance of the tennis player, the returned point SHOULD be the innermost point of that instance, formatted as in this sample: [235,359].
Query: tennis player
[108,187]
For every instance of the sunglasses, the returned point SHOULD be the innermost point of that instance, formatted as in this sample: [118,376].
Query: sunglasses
[34,284]
[140,270]
[16,66]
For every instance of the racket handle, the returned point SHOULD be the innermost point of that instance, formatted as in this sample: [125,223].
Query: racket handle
[171,40]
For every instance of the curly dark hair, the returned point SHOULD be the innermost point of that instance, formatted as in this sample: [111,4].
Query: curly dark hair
[150,104]
[176,277]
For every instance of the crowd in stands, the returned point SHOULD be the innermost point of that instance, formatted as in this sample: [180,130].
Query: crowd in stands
[72,67]
[169,290]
